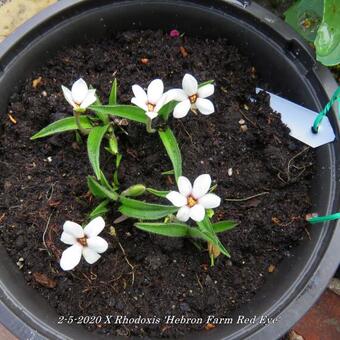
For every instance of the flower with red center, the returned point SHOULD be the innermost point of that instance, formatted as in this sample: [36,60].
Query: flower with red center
[193,200]
[84,242]
[191,96]
[150,101]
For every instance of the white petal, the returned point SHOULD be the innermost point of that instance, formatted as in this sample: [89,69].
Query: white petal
[189,84]
[176,94]
[73,229]
[184,186]
[155,91]
[197,212]
[201,186]
[79,91]
[89,99]
[161,102]
[140,93]
[182,109]
[67,238]
[210,201]
[71,257]
[151,114]
[90,255]
[183,213]
[206,90]
[205,106]
[98,244]
[68,96]
[140,103]
[95,227]
[177,199]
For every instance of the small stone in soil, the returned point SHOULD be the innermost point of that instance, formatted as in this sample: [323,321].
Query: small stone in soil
[244,128]
[184,307]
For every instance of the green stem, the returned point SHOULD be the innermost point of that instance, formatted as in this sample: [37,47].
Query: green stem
[212,260]
[81,129]
[149,128]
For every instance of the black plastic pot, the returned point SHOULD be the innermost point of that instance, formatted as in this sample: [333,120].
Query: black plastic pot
[287,67]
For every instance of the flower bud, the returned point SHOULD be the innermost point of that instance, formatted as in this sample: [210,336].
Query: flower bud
[113,144]
[134,190]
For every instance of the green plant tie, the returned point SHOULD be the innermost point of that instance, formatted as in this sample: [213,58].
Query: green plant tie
[318,119]
[320,219]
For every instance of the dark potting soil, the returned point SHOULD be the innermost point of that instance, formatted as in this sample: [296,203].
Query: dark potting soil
[44,183]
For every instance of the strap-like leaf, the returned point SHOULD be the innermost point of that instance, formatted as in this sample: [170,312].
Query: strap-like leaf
[124,111]
[222,226]
[157,193]
[94,141]
[206,227]
[145,211]
[165,111]
[206,83]
[63,125]
[104,181]
[100,191]
[173,230]
[165,229]
[113,93]
[172,148]
[101,209]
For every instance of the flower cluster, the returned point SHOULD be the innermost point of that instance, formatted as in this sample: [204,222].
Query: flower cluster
[191,201]
[191,96]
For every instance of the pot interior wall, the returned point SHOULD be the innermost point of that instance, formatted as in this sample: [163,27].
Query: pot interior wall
[276,64]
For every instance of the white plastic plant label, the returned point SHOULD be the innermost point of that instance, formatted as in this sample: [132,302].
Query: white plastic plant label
[300,120]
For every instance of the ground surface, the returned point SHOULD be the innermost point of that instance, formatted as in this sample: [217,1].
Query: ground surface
[170,276]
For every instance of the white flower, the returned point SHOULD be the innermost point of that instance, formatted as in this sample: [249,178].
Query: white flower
[193,200]
[152,101]
[80,97]
[83,241]
[192,97]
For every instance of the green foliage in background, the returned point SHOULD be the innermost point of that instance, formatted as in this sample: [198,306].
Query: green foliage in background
[318,21]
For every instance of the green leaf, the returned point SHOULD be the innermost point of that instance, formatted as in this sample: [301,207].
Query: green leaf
[113,94]
[103,117]
[63,125]
[222,226]
[305,17]
[169,172]
[165,111]
[172,148]
[124,111]
[207,229]
[206,83]
[327,42]
[104,181]
[173,230]
[94,141]
[157,193]
[165,229]
[115,175]
[145,211]
[100,210]
[100,191]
